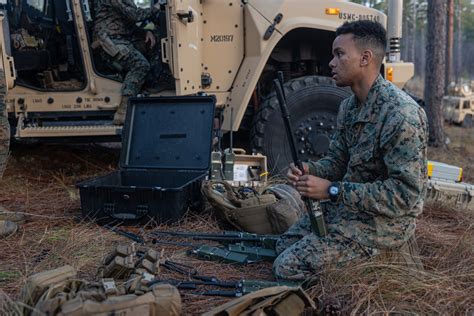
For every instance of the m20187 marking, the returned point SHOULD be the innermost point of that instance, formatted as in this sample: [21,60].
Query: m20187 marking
[222,38]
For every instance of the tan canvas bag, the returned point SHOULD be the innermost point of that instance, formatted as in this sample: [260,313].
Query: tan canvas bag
[38,283]
[275,301]
[163,300]
[270,212]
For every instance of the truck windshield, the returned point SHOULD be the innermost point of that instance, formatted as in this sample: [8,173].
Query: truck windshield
[37,4]
[142,3]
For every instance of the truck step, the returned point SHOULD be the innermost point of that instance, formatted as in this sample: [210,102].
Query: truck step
[69,131]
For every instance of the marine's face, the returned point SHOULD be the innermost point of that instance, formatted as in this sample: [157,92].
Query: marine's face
[345,65]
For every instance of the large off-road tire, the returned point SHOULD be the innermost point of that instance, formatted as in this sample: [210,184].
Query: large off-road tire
[4,126]
[313,103]
[468,121]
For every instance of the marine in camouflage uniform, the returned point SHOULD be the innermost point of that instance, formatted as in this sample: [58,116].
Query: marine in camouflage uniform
[378,157]
[117,20]
[7,225]
[4,126]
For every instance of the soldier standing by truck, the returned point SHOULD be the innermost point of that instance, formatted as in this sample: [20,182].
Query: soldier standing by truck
[125,43]
[375,171]
[8,221]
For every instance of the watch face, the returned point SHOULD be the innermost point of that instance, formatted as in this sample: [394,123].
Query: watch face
[333,190]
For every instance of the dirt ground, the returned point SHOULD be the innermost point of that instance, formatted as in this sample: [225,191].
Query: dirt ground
[40,181]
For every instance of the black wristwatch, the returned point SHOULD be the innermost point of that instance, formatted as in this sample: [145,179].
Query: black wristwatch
[334,191]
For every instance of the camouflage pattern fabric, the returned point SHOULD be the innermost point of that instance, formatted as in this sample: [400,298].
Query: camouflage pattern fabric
[302,253]
[378,154]
[4,127]
[118,20]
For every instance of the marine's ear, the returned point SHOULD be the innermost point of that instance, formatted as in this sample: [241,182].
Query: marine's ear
[366,57]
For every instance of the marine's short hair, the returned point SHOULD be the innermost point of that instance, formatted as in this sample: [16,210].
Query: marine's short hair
[367,34]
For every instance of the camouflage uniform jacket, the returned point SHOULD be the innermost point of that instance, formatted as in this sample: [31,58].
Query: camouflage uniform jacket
[378,153]
[118,18]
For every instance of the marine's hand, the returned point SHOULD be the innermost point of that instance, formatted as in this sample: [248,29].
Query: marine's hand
[294,173]
[150,38]
[313,187]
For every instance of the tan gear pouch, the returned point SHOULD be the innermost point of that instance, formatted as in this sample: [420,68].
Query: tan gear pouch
[123,51]
[252,216]
[57,294]
[163,300]
[107,45]
[248,215]
[278,301]
[38,283]
[272,212]
[281,216]
[110,48]
[289,208]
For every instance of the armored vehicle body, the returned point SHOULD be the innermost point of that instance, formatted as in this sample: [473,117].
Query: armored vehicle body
[58,86]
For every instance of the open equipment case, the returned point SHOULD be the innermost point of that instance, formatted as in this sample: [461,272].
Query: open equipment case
[166,153]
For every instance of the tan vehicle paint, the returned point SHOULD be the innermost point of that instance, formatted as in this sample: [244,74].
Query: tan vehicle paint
[229,42]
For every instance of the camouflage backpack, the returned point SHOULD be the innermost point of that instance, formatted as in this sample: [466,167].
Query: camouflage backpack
[271,211]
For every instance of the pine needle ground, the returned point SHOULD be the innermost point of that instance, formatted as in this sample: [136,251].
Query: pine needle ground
[40,181]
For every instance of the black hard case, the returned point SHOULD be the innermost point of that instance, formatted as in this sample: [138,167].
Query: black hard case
[166,150]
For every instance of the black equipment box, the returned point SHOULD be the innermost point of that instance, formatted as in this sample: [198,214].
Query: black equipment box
[166,153]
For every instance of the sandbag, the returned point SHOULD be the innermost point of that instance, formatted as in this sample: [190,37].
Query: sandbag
[275,301]
[270,212]
[164,299]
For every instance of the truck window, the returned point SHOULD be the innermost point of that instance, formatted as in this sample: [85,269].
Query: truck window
[466,105]
[45,46]
[37,4]
[142,3]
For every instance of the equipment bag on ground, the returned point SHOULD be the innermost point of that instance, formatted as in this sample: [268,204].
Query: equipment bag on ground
[275,301]
[271,212]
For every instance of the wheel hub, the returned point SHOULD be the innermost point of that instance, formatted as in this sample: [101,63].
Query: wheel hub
[313,135]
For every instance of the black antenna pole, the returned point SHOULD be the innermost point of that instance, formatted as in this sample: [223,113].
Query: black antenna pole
[318,226]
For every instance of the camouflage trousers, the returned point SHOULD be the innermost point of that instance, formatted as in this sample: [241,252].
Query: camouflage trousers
[303,254]
[133,62]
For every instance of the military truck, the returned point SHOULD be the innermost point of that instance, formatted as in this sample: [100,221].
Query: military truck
[458,105]
[57,86]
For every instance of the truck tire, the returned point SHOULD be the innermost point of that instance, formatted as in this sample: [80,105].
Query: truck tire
[4,126]
[468,121]
[313,102]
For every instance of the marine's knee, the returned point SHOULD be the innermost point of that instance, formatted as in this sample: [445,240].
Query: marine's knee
[280,245]
[287,267]
[143,66]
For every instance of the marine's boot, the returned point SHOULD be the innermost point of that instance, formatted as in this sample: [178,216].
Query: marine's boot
[7,228]
[119,116]
[6,215]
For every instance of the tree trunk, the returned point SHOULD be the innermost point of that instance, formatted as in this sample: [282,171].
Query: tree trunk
[450,45]
[404,41]
[458,41]
[412,33]
[435,70]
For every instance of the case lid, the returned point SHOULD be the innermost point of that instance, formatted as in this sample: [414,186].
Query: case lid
[168,133]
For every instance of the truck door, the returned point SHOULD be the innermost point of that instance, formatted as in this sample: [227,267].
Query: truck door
[7,79]
[7,66]
[182,49]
